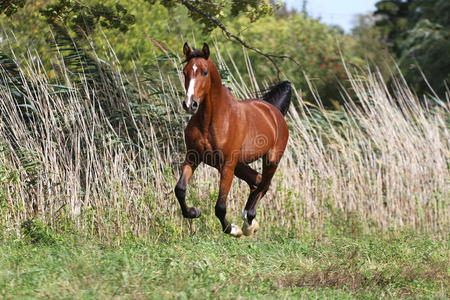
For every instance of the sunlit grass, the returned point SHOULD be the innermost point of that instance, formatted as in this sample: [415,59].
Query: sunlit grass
[368,266]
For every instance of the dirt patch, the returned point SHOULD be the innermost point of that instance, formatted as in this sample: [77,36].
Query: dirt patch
[349,275]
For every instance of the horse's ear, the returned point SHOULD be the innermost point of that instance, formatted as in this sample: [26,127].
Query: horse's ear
[187,50]
[205,50]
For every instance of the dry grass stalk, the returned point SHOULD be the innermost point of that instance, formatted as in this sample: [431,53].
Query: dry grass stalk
[385,160]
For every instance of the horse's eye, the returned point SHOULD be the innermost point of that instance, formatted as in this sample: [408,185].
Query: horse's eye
[205,73]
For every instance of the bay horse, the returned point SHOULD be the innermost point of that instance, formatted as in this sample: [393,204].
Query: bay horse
[228,135]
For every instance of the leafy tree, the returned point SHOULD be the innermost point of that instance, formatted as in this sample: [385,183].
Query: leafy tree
[394,20]
[311,43]
[81,18]
[159,27]
[418,32]
[367,45]
[206,12]
[86,15]
[9,7]
[424,50]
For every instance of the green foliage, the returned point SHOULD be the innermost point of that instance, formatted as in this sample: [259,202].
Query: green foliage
[421,51]
[222,9]
[37,232]
[418,31]
[10,7]
[415,43]
[368,46]
[83,18]
[313,44]
[159,25]
[395,18]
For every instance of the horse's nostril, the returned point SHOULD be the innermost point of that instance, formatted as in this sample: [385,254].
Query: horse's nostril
[184,105]
[194,104]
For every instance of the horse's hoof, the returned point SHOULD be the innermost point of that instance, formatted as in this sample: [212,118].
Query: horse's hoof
[235,231]
[248,230]
[192,213]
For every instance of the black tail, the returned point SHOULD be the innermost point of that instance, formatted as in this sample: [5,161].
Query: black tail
[279,96]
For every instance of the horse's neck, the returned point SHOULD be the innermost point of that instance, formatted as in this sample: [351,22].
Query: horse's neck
[216,101]
[216,80]
[213,104]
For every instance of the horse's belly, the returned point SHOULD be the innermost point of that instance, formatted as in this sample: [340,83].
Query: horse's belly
[213,158]
[255,147]
[249,158]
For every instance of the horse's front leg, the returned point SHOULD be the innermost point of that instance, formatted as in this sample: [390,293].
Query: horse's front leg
[189,167]
[226,178]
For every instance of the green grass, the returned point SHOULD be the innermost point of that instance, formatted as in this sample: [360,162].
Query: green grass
[207,266]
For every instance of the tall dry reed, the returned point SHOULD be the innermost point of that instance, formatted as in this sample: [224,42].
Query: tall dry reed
[66,159]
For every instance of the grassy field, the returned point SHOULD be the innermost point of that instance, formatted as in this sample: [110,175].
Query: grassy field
[202,266]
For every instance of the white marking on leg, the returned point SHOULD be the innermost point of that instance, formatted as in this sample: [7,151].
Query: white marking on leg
[235,230]
[244,215]
[250,229]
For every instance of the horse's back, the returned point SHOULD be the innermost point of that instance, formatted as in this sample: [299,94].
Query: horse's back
[263,114]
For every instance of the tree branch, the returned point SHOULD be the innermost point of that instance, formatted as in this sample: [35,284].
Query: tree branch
[237,39]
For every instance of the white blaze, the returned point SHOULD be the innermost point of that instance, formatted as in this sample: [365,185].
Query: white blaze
[190,91]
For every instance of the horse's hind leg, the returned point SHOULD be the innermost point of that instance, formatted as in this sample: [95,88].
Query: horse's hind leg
[252,177]
[249,213]
[189,167]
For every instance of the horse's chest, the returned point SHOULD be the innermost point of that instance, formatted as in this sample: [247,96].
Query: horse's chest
[195,140]
[204,145]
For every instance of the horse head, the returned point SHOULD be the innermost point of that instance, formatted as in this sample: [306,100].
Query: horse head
[197,80]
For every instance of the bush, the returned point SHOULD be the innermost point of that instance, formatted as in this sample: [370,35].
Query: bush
[37,232]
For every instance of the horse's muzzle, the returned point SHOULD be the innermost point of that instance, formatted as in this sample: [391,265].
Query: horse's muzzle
[192,109]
